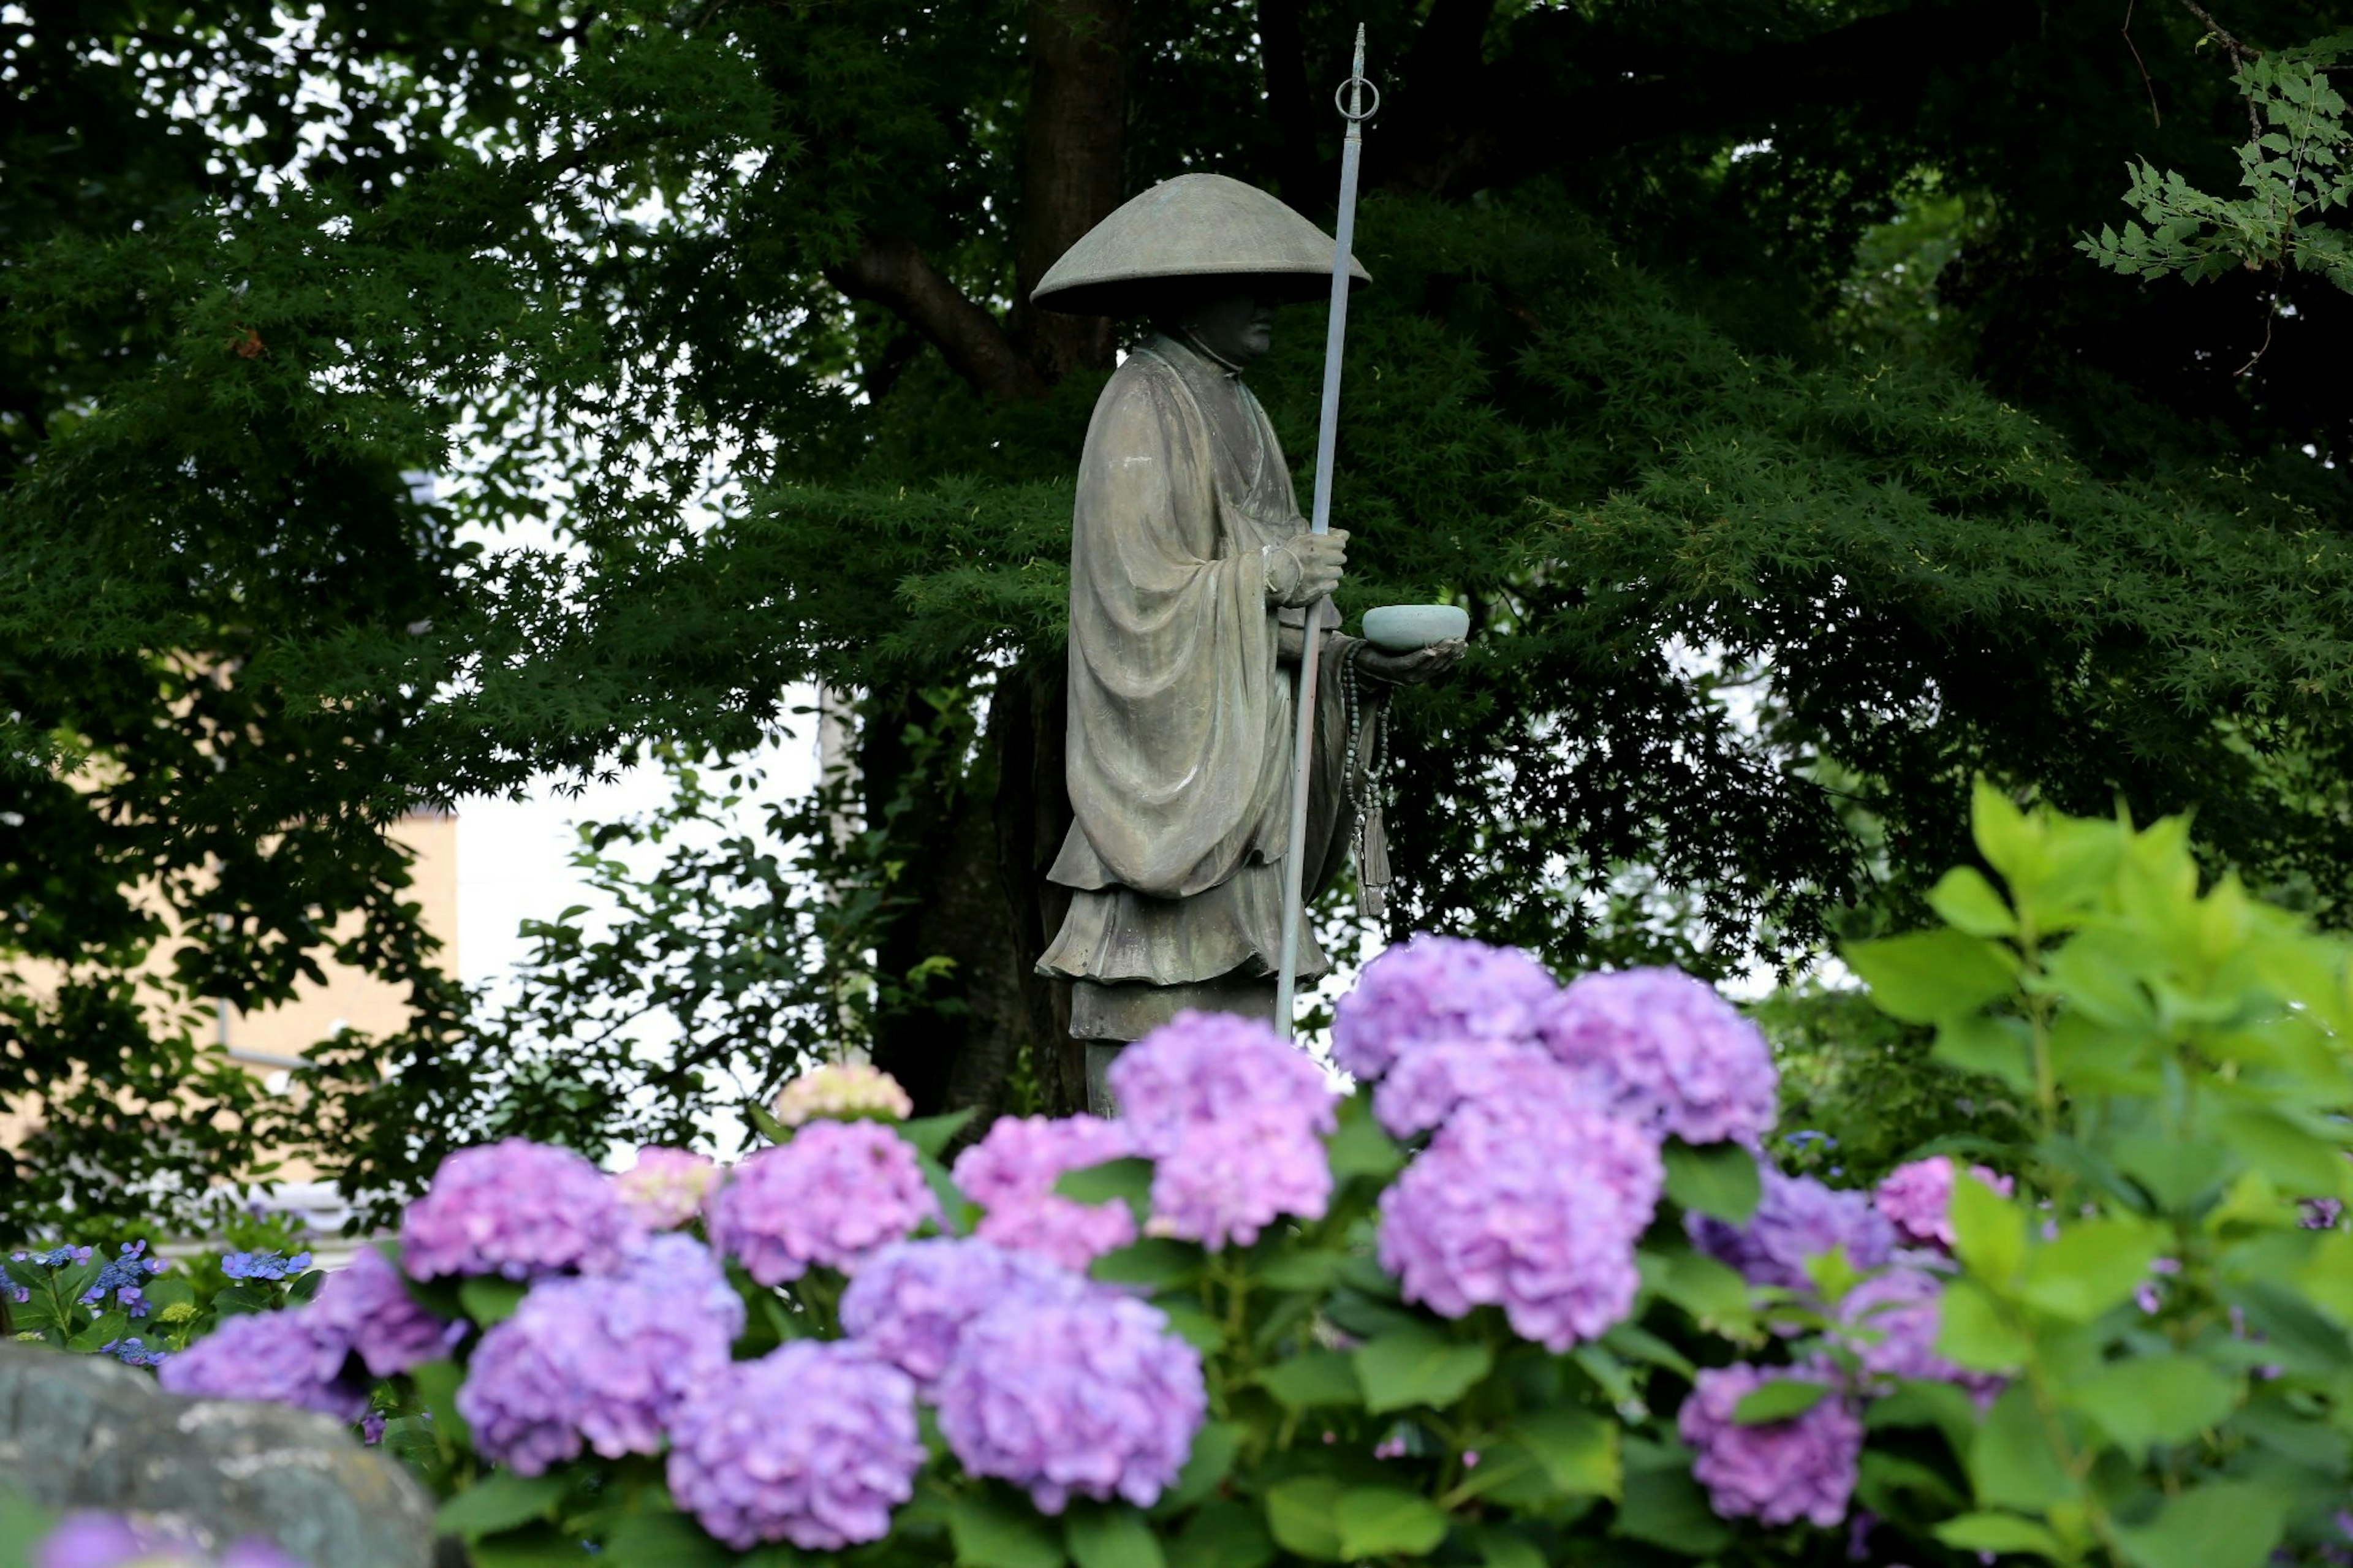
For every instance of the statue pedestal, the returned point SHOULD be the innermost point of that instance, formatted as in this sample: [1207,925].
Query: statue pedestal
[1107,1017]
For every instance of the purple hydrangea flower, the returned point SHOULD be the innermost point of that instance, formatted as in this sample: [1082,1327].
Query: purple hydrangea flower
[1426,1085]
[689,1274]
[838,1192]
[1010,1174]
[1777,1471]
[515,1208]
[1797,1218]
[1531,1206]
[109,1541]
[1095,1397]
[1666,1050]
[666,1187]
[372,1428]
[1917,1199]
[814,1442]
[604,1359]
[910,1302]
[1437,988]
[367,1303]
[1892,1321]
[1232,1117]
[294,1357]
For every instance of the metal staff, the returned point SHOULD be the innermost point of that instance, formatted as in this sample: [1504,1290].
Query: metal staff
[1350,98]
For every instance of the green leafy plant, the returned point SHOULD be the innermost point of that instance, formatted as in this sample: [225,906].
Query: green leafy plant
[2165,1297]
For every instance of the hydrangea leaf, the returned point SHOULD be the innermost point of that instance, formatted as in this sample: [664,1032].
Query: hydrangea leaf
[437,1385]
[1718,1180]
[1103,1536]
[2229,1524]
[1577,1448]
[1894,1485]
[1968,903]
[992,1534]
[1664,1506]
[1380,1522]
[1319,1379]
[2090,1268]
[1923,977]
[2011,1461]
[932,1134]
[2151,1400]
[490,1299]
[1300,1513]
[499,1500]
[1224,1535]
[1501,1548]
[1215,1447]
[1124,1180]
[2003,1533]
[1308,1270]
[1994,1046]
[765,1123]
[1194,1326]
[1155,1263]
[664,1540]
[1418,1366]
[1988,1234]
[1359,1148]
[533,1546]
[1972,1332]
[1942,1405]
[1779,1401]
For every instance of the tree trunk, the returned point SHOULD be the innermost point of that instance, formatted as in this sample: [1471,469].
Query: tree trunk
[978,857]
[1073,167]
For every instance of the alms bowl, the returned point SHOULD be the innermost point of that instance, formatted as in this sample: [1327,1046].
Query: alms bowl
[1409,628]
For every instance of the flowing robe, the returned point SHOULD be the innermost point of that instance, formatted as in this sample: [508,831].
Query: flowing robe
[1180,741]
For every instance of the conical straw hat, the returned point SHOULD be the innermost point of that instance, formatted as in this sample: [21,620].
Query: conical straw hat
[1194,225]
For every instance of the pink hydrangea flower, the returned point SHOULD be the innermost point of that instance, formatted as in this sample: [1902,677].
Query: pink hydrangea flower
[1917,1199]
[1666,1050]
[843,1091]
[666,1187]
[1010,1174]
[1095,1397]
[1233,1120]
[515,1208]
[1528,1205]
[834,1194]
[1436,988]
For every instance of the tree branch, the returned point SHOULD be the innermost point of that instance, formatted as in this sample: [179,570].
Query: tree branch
[889,271]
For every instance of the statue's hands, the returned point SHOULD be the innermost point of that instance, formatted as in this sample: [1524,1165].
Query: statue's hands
[1409,668]
[1305,567]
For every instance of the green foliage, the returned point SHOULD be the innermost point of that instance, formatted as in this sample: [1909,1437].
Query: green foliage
[2295,170]
[1768,549]
[1847,1066]
[2175,1345]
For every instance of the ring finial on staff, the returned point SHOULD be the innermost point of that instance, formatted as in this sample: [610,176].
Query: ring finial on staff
[1349,96]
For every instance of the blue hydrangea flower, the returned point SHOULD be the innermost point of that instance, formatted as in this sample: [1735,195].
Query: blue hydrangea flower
[133,1352]
[271,1264]
[57,1258]
[122,1277]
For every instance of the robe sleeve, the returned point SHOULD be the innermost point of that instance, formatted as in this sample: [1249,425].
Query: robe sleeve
[1172,672]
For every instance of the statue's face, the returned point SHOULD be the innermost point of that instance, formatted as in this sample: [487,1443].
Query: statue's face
[1237,328]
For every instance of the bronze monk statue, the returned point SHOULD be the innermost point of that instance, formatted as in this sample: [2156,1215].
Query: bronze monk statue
[1190,572]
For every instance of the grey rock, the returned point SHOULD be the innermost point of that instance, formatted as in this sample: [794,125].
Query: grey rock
[80,1431]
